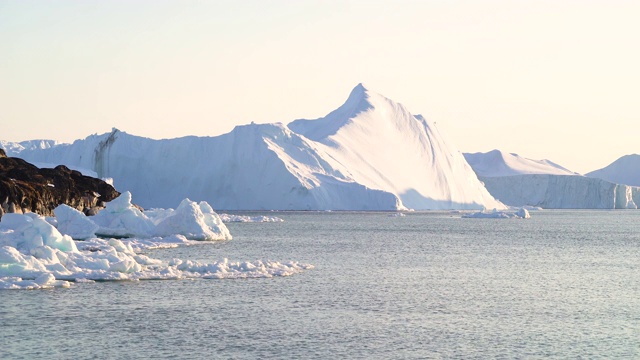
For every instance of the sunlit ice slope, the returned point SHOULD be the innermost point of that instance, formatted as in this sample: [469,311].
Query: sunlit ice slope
[383,146]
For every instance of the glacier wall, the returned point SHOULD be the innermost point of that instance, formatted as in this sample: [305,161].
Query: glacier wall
[562,192]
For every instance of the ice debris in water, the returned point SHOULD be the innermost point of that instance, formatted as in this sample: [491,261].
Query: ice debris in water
[121,218]
[521,213]
[34,254]
[227,218]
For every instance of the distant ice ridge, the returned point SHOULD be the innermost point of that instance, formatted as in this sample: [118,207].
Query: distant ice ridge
[369,154]
[521,213]
[517,181]
[34,254]
[625,170]
[496,163]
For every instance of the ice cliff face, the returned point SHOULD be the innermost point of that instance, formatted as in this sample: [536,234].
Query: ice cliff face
[562,192]
[625,170]
[369,154]
[517,181]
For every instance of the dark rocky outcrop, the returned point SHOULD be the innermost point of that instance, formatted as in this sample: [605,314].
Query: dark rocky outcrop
[27,188]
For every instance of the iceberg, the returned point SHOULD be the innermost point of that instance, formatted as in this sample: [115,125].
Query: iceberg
[517,181]
[120,218]
[369,154]
[191,221]
[521,213]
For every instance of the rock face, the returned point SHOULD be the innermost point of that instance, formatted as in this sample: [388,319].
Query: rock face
[27,188]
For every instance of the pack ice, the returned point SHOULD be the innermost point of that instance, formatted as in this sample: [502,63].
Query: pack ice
[369,154]
[38,252]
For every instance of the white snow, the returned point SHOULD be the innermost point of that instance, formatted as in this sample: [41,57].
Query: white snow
[497,163]
[625,170]
[34,254]
[521,213]
[369,154]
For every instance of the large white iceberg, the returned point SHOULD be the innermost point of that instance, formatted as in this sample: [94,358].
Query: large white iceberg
[369,154]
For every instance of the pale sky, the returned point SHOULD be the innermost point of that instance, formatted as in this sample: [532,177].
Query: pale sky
[545,79]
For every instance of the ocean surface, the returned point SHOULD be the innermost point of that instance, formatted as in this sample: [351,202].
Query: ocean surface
[563,284]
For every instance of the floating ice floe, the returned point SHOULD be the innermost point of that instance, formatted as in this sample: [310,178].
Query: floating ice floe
[397,215]
[121,219]
[521,213]
[195,221]
[227,218]
[34,254]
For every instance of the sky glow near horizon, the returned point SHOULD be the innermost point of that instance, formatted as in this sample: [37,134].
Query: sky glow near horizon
[555,80]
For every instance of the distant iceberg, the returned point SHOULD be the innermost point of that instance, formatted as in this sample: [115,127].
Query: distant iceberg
[521,213]
[517,181]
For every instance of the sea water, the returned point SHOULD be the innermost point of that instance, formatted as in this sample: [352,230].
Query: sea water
[563,284]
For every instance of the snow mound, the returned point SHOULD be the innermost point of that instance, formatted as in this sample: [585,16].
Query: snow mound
[625,170]
[497,163]
[521,213]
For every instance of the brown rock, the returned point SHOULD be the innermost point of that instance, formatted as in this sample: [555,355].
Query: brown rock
[27,188]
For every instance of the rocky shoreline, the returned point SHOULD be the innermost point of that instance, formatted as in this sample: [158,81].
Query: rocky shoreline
[27,188]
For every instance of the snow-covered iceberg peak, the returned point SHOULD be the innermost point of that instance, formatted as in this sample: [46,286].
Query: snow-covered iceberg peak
[385,147]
